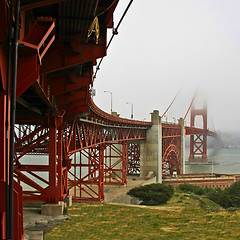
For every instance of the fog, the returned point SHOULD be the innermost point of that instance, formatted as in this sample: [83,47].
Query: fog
[164,46]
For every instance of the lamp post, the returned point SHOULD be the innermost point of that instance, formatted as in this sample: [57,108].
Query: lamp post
[111,99]
[131,109]
[165,118]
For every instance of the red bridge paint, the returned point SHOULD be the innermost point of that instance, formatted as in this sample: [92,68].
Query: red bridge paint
[55,115]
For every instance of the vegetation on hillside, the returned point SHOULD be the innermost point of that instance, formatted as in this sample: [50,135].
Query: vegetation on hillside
[189,214]
[228,198]
[152,194]
[185,216]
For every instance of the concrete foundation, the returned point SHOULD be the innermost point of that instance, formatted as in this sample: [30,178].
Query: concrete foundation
[52,209]
[198,160]
[151,150]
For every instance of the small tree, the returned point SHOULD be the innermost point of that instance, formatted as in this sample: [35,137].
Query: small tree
[152,194]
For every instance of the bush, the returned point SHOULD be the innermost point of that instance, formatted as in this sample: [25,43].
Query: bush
[153,194]
[228,198]
[233,193]
[186,187]
[220,197]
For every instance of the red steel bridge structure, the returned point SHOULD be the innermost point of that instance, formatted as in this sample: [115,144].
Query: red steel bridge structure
[48,50]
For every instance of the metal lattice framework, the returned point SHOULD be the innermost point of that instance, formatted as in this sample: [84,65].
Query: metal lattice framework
[134,158]
[68,139]
[48,50]
[171,145]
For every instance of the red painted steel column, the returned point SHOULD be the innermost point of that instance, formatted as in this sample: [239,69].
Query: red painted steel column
[60,175]
[124,162]
[51,193]
[52,155]
[101,173]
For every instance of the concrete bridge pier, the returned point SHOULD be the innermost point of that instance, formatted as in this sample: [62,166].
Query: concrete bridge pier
[183,134]
[151,150]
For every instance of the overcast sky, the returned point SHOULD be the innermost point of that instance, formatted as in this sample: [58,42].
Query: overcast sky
[167,45]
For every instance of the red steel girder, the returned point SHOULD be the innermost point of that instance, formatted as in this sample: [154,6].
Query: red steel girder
[40,36]
[41,3]
[60,84]
[90,133]
[59,57]
[36,43]
[171,130]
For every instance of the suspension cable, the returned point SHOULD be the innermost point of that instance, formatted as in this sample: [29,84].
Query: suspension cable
[191,104]
[171,103]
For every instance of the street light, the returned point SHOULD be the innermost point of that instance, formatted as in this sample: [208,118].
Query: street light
[165,118]
[131,109]
[111,99]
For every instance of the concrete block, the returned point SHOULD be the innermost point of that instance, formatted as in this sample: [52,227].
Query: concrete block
[33,235]
[52,209]
[149,175]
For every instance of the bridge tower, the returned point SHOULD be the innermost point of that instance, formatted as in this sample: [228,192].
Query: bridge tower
[198,142]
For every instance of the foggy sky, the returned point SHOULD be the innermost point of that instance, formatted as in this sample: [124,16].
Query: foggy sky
[167,45]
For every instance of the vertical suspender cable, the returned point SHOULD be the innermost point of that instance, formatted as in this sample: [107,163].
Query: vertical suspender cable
[10,36]
[12,115]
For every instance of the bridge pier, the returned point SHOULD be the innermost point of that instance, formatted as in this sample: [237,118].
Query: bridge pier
[151,149]
[183,134]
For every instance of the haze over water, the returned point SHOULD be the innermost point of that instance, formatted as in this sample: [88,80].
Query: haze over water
[225,160]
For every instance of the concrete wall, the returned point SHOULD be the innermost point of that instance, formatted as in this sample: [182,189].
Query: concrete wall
[151,150]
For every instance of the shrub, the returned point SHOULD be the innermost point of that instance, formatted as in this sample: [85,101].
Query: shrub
[220,197]
[230,197]
[152,194]
[186,187]
[233,193]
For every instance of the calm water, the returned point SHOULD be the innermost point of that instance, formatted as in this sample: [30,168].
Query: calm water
[225,160]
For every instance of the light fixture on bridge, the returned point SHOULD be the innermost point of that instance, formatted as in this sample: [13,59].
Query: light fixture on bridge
[92,92]
[111,99]
[131,109]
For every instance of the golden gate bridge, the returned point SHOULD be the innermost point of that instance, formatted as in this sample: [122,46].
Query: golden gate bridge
[48,49]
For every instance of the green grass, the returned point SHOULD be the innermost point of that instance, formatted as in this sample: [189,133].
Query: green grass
[184,217]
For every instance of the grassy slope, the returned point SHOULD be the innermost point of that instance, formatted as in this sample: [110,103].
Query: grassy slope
[184,217]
